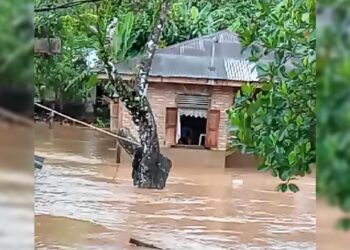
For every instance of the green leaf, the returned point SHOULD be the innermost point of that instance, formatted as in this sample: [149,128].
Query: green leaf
[274,172]
[312,36]
[285,175]
[235,26]
[194,12]
[266,87]
[283,135]
[282,187]
[307,147]
[299,121]
[292,158]
[343,224]
[92,82]
[248,89]
[284,88]
[263,168]
[273,138]
[305,17]
[123,38]
[310,4]
[294,188]
[69,85]
[286,118]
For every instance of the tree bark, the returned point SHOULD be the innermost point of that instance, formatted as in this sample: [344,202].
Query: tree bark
[129,148]
[136,152]
[150,167]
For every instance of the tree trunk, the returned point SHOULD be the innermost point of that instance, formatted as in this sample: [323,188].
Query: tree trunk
[150,167]
[130,148]
[154,168]
[158,166]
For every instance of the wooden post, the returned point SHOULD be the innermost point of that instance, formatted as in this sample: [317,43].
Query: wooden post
[114,116]
[142,244]
[52,115]
[118,152]
[114,125]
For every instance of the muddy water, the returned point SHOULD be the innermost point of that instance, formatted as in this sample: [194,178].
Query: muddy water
[84,201]
[327,218]
[16,185]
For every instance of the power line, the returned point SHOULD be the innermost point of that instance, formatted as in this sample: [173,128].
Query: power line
[64,6]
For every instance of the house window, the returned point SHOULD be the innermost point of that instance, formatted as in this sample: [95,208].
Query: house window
[191,127]
[192,123]
[192,119]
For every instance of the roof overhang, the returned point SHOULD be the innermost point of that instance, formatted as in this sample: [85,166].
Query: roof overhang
[186,80]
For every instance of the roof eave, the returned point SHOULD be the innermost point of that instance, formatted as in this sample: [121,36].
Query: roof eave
[188,80]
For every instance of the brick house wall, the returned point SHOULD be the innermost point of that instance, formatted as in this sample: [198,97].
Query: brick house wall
[163,95]
[222,99]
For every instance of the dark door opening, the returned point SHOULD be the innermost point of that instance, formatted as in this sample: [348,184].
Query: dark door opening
[191,130]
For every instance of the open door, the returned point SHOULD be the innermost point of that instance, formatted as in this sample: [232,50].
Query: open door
[213,123]
[170,126]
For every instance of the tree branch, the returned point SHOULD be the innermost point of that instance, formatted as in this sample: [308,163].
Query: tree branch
[124,92]
[145,66]
[64,6]
[133,98]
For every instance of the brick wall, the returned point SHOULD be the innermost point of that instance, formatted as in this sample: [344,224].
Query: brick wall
[222,99]
[163,95]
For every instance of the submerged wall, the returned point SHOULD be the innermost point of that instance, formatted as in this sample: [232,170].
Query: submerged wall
[181,157]
[239,160]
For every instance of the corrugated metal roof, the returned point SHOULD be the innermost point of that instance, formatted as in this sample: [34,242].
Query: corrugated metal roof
[193,59]
[237,69]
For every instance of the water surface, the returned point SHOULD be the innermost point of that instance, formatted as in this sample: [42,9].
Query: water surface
[85,201]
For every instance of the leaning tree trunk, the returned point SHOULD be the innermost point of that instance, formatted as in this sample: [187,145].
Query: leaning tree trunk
[153,167]
[150,167]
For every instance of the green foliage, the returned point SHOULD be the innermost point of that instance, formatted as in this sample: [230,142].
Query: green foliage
[77,29]
[16,45]
[187,21]
[102,123]
[284,187]
[343,224]
[64,76]
[294,188]
[333,107]
[277,121]
[124,38]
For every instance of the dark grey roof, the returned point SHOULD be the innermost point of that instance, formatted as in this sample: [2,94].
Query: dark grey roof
[193,59]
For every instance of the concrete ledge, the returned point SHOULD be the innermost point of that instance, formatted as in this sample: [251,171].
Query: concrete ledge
[238,160]
[203,158]
[189,157]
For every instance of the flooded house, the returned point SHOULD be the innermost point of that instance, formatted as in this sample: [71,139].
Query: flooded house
[191,85]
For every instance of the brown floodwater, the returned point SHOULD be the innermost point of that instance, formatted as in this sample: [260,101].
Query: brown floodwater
[16,185]
[83,200]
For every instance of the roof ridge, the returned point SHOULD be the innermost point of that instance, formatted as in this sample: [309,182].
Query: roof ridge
[194,39]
